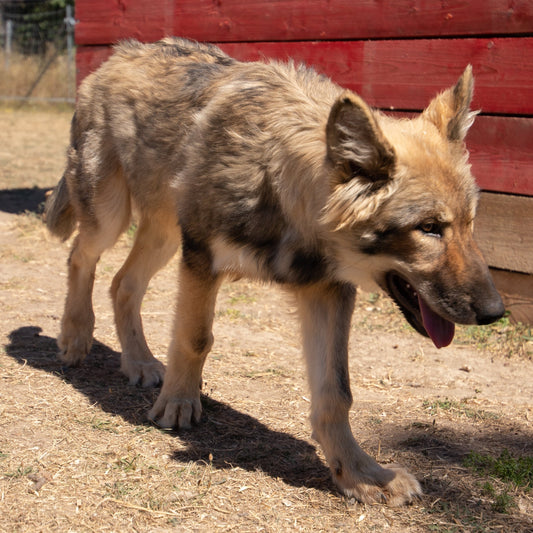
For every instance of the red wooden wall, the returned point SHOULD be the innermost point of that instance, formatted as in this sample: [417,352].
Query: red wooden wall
[396,53]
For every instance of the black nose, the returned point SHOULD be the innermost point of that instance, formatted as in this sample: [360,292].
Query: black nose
[490,309]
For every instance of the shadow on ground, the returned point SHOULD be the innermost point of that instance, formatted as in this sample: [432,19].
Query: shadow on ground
[18,201]
[229,438]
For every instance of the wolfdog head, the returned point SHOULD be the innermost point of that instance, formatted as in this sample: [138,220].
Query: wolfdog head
[403,208]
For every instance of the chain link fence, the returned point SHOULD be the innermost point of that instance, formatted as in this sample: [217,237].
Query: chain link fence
[37,43]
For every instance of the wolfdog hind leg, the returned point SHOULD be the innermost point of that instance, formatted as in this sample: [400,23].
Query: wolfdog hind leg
[156,241]
[326,314]
[178,404]
[98,231]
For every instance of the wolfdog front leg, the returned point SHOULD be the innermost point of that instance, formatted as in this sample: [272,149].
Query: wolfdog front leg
[178,404]
[326,312]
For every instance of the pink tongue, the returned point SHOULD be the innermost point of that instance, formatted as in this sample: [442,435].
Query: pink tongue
[440,330]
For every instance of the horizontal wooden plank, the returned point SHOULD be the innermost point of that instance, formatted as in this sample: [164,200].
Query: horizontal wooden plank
[501,154]
[504,231]
[406,74]
[500,147]
[105,21]
[401,74]
[516,290]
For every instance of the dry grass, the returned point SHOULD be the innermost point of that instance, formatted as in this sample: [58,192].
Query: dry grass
[77,454]
[17,79]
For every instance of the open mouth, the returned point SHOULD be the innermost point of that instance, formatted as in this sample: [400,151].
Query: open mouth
[418,313]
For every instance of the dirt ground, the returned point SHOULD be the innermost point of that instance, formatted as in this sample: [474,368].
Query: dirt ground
[76,451]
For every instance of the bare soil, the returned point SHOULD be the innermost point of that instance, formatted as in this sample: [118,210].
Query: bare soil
[76,451]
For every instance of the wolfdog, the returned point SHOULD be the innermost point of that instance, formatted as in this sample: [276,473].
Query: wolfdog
[273,172]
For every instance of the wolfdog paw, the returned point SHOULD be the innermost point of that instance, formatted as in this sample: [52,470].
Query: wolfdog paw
[148,373]
[392,485]
[74,349]
[175,412]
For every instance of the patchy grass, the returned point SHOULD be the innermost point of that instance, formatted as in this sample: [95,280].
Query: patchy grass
[518,471]
[502,500]
[502,337]
[507,475]
[458,407]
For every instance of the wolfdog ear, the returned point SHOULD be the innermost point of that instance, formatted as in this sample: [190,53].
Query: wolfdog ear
[356,145]
[450,110]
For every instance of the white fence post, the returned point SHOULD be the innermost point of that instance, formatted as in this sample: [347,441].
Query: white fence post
[9,40]
[70,22]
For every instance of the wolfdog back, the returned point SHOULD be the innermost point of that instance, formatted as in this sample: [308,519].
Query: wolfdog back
[269,171]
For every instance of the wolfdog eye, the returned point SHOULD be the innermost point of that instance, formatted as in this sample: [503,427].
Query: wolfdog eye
[431,227]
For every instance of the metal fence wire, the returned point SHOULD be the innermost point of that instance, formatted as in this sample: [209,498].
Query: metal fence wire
[38,54]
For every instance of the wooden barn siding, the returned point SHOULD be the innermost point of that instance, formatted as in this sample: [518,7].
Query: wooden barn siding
[397,54]
[107,21]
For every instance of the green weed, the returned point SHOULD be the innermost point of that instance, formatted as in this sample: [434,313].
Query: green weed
[504,503]
[242,298]
[132,230]
[21,471]
[127,464]
[102,425]
[231,313]
[373,297]
[118,490]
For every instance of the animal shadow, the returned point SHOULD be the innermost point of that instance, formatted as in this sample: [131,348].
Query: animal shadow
[225,437]
[22,200]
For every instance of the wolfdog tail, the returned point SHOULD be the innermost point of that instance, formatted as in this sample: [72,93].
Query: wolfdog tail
[58,212]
